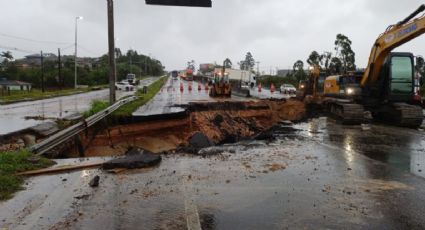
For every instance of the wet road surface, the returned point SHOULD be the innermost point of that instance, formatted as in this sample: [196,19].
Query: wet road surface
[314,175]
[176,93]
[12,117]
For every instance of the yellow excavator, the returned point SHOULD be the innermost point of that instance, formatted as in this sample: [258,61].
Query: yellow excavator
[386,88]
[221,86]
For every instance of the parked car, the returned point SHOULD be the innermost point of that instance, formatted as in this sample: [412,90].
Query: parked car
[288,89]
[124,86]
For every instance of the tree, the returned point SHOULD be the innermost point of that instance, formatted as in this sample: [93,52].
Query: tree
[325,60]
[118,53]
[314,59]
[298,65]
[227,63]
[191,65]
[7,56]
[298,69]
[345,53]
[335,66]
[248,63]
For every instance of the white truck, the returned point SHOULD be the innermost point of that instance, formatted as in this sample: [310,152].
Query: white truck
[247,77]
[131,78]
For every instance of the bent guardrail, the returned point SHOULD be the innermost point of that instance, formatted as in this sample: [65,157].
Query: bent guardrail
[66,134]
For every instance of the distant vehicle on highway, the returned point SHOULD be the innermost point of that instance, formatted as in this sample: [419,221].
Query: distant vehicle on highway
[175,74]
[131,78]
[187,75]
[288,89]
[124,85]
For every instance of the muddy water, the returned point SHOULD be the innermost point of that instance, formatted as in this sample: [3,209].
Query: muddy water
[317,174]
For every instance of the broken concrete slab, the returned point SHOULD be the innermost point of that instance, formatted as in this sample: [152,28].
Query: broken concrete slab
[45,129]
[141,160]
[199,140]
[73,117]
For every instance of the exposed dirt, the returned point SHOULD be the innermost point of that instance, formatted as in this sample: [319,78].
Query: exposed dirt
[219,122]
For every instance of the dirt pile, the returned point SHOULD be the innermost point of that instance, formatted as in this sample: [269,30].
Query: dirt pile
[222,122]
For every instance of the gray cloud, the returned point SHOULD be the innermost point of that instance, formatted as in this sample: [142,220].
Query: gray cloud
[277,32]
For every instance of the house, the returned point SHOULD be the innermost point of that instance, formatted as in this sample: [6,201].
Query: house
[14,85]
[35,59]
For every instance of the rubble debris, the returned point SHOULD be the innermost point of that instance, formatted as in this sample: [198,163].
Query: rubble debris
[199,140]
[94,182]
[82,197]
[142,160]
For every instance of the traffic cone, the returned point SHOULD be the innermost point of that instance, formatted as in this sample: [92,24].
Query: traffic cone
[259,88]
[190,87]
[272,88]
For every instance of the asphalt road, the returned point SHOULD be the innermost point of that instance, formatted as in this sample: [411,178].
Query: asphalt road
[12,117]
[314,175]
[176,93]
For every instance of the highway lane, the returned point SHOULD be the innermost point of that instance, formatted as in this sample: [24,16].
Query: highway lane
[177,93]
[12,116]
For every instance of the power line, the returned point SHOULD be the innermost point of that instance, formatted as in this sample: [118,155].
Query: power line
[17,49]
[33,40]
[88,51]
[67,47]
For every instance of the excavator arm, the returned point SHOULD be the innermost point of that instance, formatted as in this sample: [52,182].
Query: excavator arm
[393,37]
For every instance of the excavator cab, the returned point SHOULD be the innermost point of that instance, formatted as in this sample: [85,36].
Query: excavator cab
[396,82]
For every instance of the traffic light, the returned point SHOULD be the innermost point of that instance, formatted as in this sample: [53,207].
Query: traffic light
[193,3]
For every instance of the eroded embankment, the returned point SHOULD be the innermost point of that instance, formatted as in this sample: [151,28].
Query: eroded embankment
[219,122]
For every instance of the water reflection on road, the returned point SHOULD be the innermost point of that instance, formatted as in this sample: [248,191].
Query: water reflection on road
[13,116]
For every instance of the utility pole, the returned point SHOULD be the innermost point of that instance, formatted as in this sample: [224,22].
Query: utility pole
[146,65]
[42,71]
[258,68]
[131,61]
[75,56]
[111,41]
[60,70]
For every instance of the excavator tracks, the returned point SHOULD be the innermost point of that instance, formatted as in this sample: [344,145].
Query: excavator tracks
[347,113]
[408,115]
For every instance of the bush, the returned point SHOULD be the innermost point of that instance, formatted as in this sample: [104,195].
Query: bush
[95,107]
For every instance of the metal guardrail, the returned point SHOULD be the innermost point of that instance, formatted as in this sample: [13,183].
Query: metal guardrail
[68,133]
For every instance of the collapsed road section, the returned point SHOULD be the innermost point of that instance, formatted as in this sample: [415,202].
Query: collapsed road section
[202,125]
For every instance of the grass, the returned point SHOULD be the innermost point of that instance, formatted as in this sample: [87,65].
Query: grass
[96,106]
[36,94]
[14,162]
[127,109]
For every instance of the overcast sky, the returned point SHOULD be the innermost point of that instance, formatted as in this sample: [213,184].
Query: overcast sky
[276,32]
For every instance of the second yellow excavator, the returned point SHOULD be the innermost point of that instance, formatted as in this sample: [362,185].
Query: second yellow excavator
[386,88]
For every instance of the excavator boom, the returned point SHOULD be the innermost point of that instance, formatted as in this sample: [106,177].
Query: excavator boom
[395,36]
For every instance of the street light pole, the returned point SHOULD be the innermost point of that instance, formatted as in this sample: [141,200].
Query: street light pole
[75,56]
